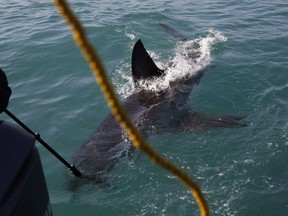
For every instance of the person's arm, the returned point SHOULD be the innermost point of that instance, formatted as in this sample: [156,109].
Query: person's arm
[5,91]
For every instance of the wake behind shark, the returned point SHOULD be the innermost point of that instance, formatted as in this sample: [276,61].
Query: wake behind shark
[162,110]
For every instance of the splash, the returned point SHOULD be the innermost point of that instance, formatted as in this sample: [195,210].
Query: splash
[190,58]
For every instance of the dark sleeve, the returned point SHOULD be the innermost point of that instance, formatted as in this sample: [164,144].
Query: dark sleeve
[5,91]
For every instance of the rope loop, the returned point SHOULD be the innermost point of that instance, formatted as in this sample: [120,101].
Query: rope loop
[120,115]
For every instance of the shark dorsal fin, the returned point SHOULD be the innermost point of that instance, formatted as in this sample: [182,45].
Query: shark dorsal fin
[143,66]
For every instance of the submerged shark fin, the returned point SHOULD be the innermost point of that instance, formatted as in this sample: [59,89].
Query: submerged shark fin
[143,66]
[173,32]
[198,122]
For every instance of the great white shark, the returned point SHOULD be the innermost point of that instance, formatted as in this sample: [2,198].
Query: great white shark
[163,110]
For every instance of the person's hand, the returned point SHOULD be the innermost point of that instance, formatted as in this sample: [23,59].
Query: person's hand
[5,91]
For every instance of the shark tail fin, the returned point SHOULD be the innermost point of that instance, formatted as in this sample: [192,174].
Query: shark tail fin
[173,32]
[143,66]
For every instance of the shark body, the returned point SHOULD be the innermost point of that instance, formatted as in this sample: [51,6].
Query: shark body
[163,111]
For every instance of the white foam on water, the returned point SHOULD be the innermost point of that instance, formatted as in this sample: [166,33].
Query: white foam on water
[181,65]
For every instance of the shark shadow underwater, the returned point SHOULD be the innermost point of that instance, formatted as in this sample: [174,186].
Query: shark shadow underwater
[163,110]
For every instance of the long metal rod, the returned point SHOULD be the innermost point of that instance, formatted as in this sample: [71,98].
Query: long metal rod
[71,167]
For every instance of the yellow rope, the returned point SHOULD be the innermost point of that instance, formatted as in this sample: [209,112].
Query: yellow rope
[117,110]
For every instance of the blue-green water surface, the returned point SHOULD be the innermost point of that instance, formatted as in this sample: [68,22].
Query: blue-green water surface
[242,171]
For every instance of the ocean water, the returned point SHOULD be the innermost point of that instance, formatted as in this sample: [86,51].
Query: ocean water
[242,171]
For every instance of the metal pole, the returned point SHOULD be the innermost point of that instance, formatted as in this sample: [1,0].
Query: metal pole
[71,167]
